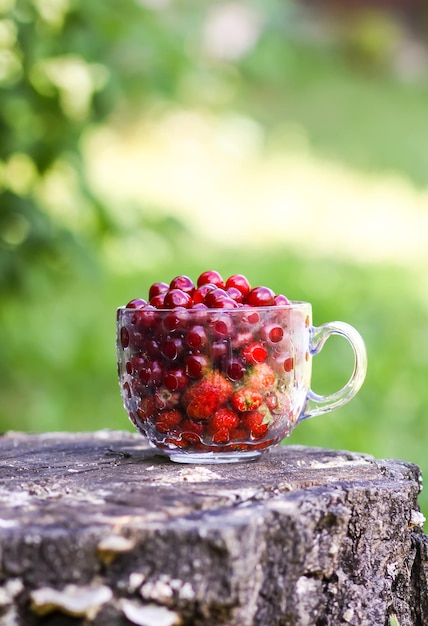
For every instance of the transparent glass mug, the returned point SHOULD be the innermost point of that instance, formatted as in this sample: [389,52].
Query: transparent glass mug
[225,385]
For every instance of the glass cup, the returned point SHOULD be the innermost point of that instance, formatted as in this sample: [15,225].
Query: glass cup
[225,385]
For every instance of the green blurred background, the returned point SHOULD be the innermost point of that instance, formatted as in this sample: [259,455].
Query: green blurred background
[141,140]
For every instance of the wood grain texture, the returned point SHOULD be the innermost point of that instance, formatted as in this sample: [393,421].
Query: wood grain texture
[96,528]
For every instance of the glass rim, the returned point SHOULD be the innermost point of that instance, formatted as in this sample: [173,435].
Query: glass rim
[294,304]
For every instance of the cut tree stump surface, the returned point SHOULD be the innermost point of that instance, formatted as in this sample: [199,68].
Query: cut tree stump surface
[96,528]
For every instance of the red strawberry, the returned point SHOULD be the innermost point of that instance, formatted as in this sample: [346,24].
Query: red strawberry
[261,377]
[222,387]
[147,409]
[211,382]
[246,399]
[256,423]
[223,418]
[167,421]
[192,432]
[203,405]
[222,435]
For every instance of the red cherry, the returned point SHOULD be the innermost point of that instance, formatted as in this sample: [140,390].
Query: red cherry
[172,347]
[272,333]
[219,349]
[124,337]
[151,348]
[261,296]
[151,373]
[225,303]
[281,300]
[235,294]
[175,320]
[200,293]
[196,337]
[233,368]
[176,379]
[211,276]
[145,317]
[240,282]
[222,326]
[157,288]
[158,300]
[196,365]
[288,364]
[137,303]
[184,283]
[254,353]
[214,296]
[177,298]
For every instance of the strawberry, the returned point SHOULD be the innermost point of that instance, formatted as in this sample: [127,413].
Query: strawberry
[223,418]
[261,377]
[203,405]
[222,435]
[222,387]
[147,409]
[256,423]
[246,399]
[167,421]
[192,432]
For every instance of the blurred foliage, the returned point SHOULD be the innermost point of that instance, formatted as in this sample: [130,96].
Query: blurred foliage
[67,66]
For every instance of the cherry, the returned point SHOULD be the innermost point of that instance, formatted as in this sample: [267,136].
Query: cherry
[137,303]
[272,333]
[177,298]
[124,337]
[251,318]
[219,349]
[196,365]
[150,348]
[240,282]
[225,303]
[233,368]
[261,296]
[184,283]
[158,300]
[176,379]
[214,296]
[235,294]
[254,353]
[145,317]
[151,373]
[175,319]
[172,347]
[196,337]
[137,363]
[157,288]
[281,300]
[222,326]
[211,276]
[200,293]
[288,364]
[166,399]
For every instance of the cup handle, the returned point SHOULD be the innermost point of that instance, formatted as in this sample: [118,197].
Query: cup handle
[316,404]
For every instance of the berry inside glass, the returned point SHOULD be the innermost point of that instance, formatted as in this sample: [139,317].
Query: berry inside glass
[216,371]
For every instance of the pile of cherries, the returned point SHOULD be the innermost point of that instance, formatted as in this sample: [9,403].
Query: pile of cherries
[209,292]
[198,378]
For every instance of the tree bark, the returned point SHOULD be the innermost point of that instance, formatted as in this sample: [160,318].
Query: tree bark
[98,529]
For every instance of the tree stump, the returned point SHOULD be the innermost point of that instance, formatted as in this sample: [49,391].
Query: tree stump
[98,529]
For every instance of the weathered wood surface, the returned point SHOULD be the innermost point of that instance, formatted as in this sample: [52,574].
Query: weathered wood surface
[98,529]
